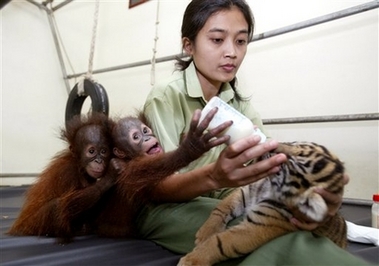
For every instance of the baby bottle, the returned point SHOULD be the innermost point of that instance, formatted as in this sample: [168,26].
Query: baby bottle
[241,127]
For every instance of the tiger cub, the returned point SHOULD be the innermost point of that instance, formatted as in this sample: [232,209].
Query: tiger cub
[266,203]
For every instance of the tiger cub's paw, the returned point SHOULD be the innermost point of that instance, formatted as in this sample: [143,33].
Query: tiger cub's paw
[192,260]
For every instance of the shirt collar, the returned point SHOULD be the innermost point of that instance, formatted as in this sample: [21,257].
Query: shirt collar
[192,82]
[193,86]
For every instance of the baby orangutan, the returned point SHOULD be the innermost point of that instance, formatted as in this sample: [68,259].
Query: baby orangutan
[142,164]
[64,198]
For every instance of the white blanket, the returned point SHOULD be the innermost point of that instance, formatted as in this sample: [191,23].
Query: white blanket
[362,234]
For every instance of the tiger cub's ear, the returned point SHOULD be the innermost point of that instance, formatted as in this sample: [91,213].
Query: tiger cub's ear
[312,205]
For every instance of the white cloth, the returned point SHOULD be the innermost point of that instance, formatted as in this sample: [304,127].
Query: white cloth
[362,234]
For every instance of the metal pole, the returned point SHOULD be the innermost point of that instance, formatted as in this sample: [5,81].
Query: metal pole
[319,20]
[322,119]
[7,175]
[56,42]
[352,201]
[36,4]
[130,65]
[61,5]
[301,25]
[58,48]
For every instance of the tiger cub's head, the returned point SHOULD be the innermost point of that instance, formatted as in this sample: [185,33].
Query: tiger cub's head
[309,165]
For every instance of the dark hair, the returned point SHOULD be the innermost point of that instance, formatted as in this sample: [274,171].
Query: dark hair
[197,14]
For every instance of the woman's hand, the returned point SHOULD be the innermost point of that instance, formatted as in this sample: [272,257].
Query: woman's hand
[333,201]
[230,170]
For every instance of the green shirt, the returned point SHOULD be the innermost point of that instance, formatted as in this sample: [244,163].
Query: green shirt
[171,103]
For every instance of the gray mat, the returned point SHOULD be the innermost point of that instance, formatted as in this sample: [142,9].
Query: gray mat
[92,250]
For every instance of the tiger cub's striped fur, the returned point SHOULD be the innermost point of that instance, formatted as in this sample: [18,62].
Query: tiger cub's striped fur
[266,205]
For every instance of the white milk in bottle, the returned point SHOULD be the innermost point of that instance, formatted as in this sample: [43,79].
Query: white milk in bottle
[241,127]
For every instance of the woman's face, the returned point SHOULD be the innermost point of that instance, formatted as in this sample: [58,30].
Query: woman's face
[219,48]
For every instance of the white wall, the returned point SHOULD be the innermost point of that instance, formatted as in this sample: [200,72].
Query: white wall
[328,69]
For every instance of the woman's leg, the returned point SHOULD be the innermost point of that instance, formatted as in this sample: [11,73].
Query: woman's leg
[301,248]
[174,226]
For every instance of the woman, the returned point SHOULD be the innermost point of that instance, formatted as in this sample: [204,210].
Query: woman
[215,35]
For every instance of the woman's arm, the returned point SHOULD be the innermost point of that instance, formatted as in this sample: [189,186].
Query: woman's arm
[227,171]
[185,186]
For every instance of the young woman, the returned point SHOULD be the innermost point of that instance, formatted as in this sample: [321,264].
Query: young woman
[215,35]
